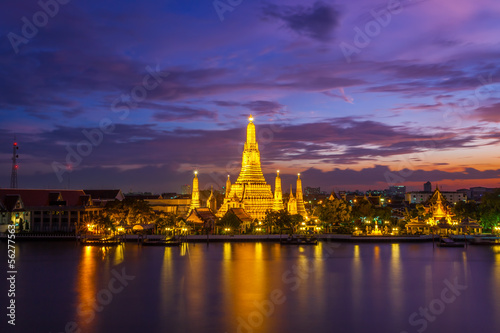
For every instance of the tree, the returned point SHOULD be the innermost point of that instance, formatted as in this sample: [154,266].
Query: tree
[422,212]
[335,212]
[362,209]
[116,211]
[410,214]
[104,224]
[466,209]
[490,209]
[168,220]
[139,211]
[279,219]
[129,211]
[383,213]
[296,220]
[230,221]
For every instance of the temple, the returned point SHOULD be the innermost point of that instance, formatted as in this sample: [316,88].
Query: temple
[250,191]
[439,217]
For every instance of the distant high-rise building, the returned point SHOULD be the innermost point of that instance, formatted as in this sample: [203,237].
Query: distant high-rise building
[477,193]
[186,189]
[428,187]
[312,190]
[396,191]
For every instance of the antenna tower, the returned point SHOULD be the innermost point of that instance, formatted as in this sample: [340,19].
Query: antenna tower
[13,176]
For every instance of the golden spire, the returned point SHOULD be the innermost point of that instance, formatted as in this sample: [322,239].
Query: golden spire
[292,203]
[278,195]
[301,209]
[251,171]
[228,187]
[212,201]
[195,195]
[251,132]
[250,189]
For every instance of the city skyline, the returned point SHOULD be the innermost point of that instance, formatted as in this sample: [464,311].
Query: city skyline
[139,95]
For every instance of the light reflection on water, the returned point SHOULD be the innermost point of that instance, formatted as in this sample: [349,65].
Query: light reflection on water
[226,287]
[86,286]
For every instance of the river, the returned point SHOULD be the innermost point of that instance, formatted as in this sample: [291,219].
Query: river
[254,287]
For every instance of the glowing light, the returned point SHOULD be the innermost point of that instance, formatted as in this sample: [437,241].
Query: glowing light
[196,172]
[250,118]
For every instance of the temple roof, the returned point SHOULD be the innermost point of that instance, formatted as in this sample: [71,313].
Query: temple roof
[105,194]
[201,215]
[333,196]
[41,198]
[437,197]
[10,202]
[241,214]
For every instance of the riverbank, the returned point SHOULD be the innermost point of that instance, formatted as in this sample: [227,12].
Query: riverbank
[235,238]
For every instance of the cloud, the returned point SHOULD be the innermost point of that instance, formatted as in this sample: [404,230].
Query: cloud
[181,113]
[342,95]
[267,108]
[316,22]
[489,113]
[378,176]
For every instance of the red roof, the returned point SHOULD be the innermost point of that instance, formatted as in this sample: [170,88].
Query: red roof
[38,198]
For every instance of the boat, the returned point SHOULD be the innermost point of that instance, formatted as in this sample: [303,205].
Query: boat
[485,241]
[448,242]
[303,240]
[161,242]
[100,241]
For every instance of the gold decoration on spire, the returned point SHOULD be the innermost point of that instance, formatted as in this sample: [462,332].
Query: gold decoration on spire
[212,201]
[278,195]
[301,209]
[195,195]
[228,187]
[251,187]
[292,203]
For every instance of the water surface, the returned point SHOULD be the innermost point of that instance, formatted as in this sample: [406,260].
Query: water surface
[255,287]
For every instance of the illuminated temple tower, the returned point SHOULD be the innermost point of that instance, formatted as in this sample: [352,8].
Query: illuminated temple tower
[292,203]
[301,209]
[228,187]
[212,201]
[278,195]
[250,191]
[195,196]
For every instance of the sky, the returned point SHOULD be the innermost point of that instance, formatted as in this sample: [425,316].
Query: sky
[359,94]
